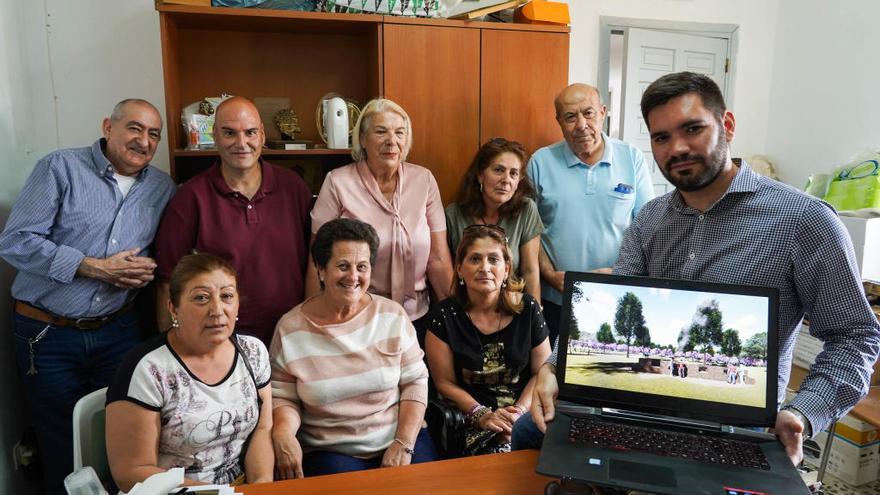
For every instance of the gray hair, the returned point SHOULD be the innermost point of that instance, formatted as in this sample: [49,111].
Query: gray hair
[119,108]
[374,106]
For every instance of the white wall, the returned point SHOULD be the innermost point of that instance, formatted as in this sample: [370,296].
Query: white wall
[756,19]
[805,92]
[63,65]
[15,102]
[825,92]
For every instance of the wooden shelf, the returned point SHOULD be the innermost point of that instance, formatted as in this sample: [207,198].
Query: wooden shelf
[868,409]
[265,20]
[195,17]
[460,81]
[269,152]
[507,26]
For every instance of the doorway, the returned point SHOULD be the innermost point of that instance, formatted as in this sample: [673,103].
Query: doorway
[635,52]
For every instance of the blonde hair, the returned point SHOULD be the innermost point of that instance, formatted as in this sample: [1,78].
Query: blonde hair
[374,106]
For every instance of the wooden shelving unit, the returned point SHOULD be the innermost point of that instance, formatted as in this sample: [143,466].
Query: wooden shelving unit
[462,83]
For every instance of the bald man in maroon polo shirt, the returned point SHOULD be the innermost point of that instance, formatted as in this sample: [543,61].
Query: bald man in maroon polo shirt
[248,211]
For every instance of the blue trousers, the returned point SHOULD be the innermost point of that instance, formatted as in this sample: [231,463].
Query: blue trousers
[67,364]
[321,462]
[526,434]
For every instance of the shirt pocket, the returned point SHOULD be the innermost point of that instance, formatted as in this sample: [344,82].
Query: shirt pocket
[621,206]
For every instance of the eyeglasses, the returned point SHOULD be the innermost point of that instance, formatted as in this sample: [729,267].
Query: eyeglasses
[480,227]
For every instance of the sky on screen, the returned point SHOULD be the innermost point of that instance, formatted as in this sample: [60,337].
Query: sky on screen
[668,311]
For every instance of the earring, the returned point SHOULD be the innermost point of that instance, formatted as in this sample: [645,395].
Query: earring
[175,323]
[504,283]
[236,318]
[481,187]
[460,282]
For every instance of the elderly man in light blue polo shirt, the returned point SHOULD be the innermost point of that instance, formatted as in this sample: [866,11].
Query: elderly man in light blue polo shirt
[590,186]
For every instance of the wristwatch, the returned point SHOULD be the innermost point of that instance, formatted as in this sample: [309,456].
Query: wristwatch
[808,430]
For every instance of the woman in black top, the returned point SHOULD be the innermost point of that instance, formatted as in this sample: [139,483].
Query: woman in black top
[486,343]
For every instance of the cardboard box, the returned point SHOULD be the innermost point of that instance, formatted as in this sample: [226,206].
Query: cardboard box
[543,12]
[855,452]
[865,235]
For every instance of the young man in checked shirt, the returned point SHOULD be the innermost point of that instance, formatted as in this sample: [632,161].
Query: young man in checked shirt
[725,223]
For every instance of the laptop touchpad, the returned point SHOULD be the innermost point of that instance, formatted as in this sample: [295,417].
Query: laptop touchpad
[642,473]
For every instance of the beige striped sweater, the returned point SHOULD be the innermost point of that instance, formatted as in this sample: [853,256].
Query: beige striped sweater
[345,380]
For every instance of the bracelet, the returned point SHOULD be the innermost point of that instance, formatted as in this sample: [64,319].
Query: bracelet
[406,448]
[522,410]
[473,418]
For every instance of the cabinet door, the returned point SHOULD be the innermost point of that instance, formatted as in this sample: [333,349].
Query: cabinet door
[522,72]
[434,74]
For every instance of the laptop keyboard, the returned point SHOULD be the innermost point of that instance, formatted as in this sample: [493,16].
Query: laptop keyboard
[710,449]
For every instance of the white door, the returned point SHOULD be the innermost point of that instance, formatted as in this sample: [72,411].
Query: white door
[651,54]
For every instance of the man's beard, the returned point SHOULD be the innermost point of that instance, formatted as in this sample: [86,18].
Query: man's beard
[703,175]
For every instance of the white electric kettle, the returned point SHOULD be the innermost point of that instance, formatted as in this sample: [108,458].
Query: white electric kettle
[336,122]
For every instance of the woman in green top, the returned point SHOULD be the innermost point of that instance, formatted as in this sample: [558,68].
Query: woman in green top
[495,190]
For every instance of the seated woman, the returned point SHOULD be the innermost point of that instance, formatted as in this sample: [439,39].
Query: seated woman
[196,397]
[486,343]
[348,380]
[495,190]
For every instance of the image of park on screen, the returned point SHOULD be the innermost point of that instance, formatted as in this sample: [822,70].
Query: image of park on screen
[679,343]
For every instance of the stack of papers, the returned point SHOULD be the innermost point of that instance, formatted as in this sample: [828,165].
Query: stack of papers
[169,482]
[205,490]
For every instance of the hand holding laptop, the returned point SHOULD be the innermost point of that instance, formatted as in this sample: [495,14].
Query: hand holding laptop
[659,409]
[790,432]
[544,397]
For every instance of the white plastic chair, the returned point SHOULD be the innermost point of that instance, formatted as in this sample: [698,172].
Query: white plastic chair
[89,447]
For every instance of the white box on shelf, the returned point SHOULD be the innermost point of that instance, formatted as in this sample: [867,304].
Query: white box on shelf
[855,452]
[865,235]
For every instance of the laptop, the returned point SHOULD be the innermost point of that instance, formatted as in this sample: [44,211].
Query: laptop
[661,384]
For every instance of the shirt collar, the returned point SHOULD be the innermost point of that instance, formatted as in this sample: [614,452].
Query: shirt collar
[745,181]
[267,183]
[103,166]
[571,159]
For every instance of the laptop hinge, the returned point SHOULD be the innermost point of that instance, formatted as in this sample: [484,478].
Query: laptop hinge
[644,418]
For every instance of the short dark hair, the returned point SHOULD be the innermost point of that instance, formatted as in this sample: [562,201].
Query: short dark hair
[339,230]
[681,83]
[190,267]
[469,197]
[509,302]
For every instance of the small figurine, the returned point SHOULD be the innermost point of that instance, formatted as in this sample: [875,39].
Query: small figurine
[288,123]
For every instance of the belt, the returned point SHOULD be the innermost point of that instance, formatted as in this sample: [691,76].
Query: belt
[28,311]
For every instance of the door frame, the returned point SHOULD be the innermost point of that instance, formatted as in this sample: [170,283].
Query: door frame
[730,32]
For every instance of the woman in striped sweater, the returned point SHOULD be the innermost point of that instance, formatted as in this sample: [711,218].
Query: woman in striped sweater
[348,382]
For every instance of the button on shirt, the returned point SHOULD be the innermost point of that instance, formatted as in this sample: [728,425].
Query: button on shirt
[765,233]
[71,207]
[586,210]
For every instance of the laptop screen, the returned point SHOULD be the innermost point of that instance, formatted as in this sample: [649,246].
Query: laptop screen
[681,348]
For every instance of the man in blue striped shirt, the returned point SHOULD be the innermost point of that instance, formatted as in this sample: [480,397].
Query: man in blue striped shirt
[77,235]
[725,223]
